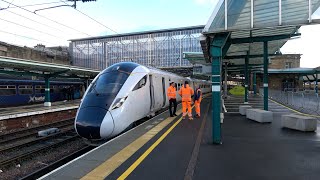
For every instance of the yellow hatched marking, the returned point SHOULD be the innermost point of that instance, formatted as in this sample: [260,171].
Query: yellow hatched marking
[106,168]
[149,150]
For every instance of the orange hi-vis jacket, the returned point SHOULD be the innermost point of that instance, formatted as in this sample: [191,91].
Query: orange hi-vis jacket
[186,93]
[171,92]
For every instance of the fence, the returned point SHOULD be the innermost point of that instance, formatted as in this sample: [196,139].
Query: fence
[303,101]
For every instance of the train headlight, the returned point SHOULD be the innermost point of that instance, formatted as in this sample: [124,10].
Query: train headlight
[118,103]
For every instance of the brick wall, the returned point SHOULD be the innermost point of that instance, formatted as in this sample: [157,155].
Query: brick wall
[35,120]
[279,62]
[276,81]
[43,55]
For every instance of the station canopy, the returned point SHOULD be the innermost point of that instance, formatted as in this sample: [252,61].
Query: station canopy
[246,24]
[307,74]
[198,58]
[25,67]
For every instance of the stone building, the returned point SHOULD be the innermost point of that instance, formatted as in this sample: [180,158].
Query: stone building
[57,55]
[285,61]
[283,72]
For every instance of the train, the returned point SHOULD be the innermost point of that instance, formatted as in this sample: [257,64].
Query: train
[122,94]
[15,92]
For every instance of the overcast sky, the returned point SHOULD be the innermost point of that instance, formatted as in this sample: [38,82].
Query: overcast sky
[53,27]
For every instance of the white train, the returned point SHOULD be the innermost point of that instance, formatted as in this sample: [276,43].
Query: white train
[122,94]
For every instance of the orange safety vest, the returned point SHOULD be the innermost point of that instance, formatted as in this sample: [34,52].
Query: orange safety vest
[171,92]
[186,93]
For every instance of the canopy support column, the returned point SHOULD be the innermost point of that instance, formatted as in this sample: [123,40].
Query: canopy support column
[225,80]
[254,83]
[316,86]
[47,91]
[265,75]
[246,74]
[216,53]
[216,100]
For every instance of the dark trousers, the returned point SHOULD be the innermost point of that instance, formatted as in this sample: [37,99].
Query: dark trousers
[174,102]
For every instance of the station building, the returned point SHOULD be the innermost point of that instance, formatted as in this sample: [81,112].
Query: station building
[158,48]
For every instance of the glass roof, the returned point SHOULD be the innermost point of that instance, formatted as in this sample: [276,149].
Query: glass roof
[251,22]
[232,15]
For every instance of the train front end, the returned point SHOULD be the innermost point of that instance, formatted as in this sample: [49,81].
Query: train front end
[94,121]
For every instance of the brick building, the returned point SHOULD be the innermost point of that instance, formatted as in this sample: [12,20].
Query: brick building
[283,80]
[285,61]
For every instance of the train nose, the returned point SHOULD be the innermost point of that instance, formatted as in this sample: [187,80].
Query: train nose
[94,123]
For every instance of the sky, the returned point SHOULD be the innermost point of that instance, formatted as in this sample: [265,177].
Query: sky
[55,26]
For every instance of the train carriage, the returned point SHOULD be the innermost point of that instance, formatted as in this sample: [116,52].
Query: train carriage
[23,92]
[124,93]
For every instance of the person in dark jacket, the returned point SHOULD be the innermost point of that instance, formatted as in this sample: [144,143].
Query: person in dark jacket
[197,101]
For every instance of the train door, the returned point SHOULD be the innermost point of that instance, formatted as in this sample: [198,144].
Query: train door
[151,93]
[163,91]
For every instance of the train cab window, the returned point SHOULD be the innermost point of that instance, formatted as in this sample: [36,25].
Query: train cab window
[109,82]
[25,89]
[141,83]
[7,90]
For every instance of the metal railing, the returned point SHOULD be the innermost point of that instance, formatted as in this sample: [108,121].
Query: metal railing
[306,101]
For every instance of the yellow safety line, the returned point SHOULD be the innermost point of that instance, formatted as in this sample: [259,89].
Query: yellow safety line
[107,167]
[149,150]
[310,115]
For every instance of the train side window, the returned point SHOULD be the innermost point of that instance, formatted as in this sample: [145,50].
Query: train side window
[141,83]
[7,90]
[25,89]
[39,89]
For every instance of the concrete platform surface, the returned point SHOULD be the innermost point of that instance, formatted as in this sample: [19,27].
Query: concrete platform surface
[21,111]
[184,150]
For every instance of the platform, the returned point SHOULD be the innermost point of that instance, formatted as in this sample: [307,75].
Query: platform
[29,110]
[172,148]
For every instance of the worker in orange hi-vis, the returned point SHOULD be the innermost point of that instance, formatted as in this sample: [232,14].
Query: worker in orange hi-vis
[171,92]
[186,92]
[197,101]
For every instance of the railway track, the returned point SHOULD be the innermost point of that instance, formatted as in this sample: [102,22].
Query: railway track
[56,164]
[31,132]
[34,141]
[16,155]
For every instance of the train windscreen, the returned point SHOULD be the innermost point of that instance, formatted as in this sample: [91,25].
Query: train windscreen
[109,83]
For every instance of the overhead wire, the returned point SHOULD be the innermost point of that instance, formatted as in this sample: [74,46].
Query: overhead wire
[31,5]
[21,7]
[25,37]
[105,27]
[47,18]
[31,28]
[35,21]
[10,3]
[92,19]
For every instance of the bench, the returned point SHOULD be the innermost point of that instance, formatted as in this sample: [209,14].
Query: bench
[243,109]
[259,115]
[299,122]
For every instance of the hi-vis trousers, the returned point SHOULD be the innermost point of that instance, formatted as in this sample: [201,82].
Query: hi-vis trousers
[185,105]
[197,107]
